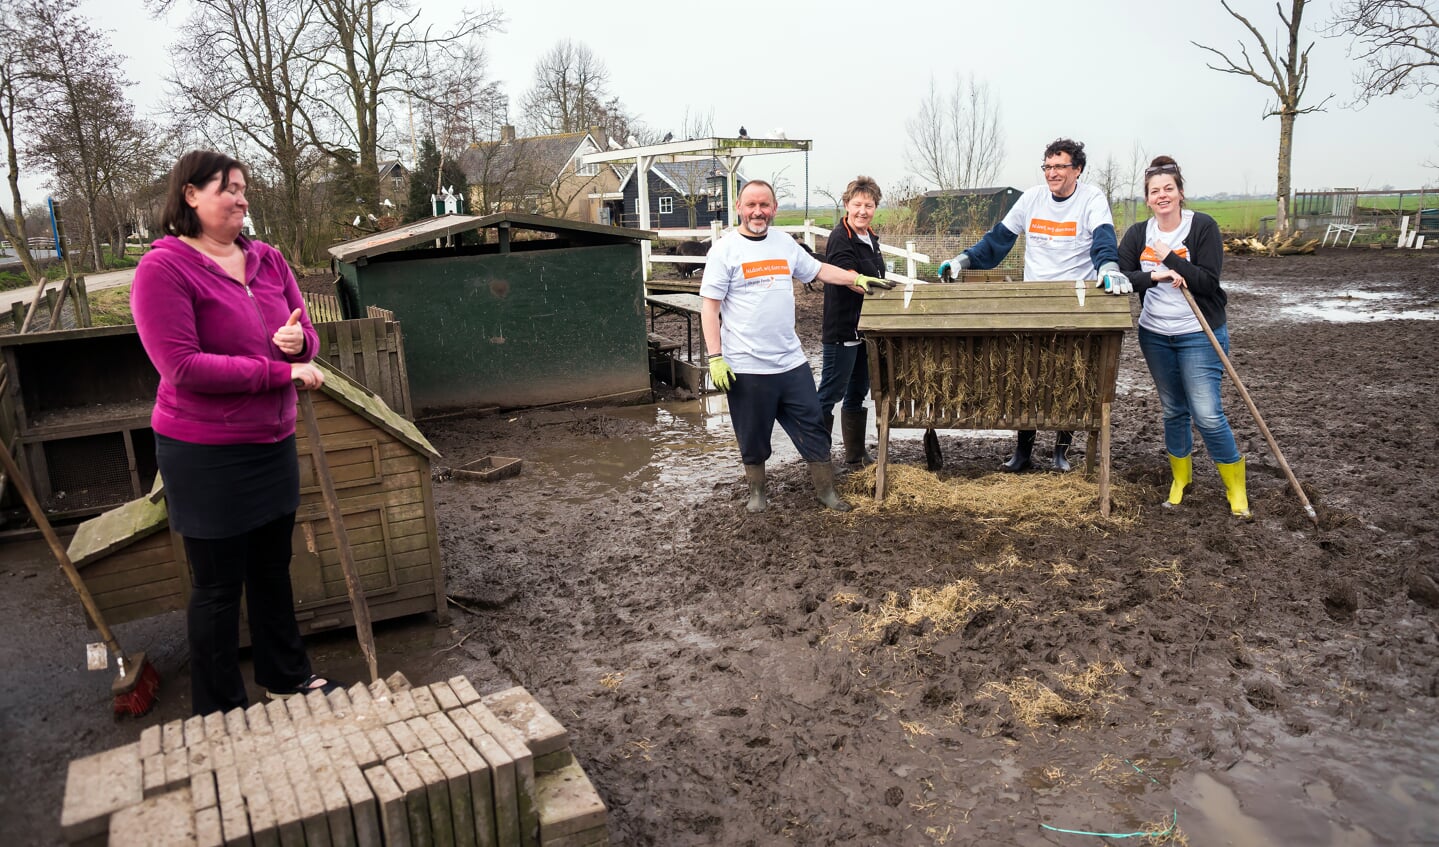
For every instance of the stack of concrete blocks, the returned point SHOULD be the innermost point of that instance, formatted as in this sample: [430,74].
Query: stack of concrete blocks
[384,764]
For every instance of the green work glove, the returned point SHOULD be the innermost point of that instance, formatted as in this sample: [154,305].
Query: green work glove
[720,372]
[869,283]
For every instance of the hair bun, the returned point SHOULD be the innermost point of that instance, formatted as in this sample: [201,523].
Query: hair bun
[1160,161]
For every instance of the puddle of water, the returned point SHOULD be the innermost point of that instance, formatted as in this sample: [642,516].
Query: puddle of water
[1339,305]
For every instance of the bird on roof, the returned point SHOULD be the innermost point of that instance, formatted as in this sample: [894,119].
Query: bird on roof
[778,133]
[743,133]
[669,136]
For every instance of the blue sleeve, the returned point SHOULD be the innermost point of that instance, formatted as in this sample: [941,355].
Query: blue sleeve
[1105,247]
[990,250]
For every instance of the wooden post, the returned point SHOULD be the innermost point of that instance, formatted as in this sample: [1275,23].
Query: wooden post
[808,236]
[909,268]
[17,314]
[82,303]
[1104,459]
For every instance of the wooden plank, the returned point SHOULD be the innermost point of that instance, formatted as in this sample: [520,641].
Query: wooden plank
[947,324]
[369,353]
[106,583]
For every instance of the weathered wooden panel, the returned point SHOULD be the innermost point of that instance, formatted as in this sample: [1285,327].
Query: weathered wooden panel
[371,352]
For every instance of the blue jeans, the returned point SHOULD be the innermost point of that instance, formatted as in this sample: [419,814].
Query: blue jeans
[844,374]
[1187,373]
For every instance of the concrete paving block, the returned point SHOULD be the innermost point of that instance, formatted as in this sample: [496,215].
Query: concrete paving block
[397,681]
[404,736]
[257,720]
[361,701]
[437,793]
[521,711]
[298,708]
[481,790]
[390,801]
[235,722]
[326,778]
[444,727]
[424,700]
[417,801]
[597,837]
[463,690]
[445,696]
[214,725]
[201,755]
[568,804]
[153,774]
[318,704]
[283,802]
[340,705]
[234,822]
[524,769]
[364,809]
[279,716]
[551,762]
[172,736]
[150,741]
[502,777]
[165,820]
[98,786]
[208,831]
[380,690]
[177,769]
[384,744]
[264,827]
[424,732]
[313,814]
[362,752]
[462,804]
[194,729]
[222,752]
[202,790]
[405,705]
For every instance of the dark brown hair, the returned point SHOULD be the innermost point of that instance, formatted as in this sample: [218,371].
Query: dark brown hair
[1075,149]
[195,168]
[861,185]
[1164,165]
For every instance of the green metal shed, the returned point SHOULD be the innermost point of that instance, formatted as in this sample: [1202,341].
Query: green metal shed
[544,311]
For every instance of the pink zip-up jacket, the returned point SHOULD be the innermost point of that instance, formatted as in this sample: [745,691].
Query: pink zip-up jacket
[222,380]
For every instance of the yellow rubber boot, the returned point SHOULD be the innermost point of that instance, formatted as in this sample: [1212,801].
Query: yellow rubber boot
[1183,470]
[1233,476]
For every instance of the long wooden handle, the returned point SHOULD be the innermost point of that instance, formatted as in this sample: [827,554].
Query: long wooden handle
[38,515]
[1253,410]
[358,606]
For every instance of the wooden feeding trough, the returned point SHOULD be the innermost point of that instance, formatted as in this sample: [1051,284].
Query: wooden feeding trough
[999,355]
[488,469]
[380,464]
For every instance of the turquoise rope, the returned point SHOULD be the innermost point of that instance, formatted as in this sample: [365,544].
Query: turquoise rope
[1174,823]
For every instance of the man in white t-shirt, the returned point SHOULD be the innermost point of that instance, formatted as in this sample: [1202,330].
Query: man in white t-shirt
[747,315]
[1068,234]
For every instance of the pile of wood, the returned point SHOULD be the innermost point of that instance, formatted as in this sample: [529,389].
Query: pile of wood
[1277,245]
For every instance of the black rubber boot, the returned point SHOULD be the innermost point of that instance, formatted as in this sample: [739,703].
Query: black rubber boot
[829,425]
[852,424]
[822,475]
[933,456]
[1023,450]
[754,475]
[1062,442]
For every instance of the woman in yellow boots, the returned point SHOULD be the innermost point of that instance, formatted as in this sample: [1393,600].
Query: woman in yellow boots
[1176,249]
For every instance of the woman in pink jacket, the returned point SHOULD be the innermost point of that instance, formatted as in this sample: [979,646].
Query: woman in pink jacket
[222,320]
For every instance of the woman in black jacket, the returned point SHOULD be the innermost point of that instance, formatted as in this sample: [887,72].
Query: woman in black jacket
[844,374]
[1174,250]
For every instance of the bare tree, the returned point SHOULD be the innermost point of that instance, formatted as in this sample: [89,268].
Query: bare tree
[1108,178]
[1134,181]
[1287,76]
[15,97]
[571,94]
[956,139]
[1396,43]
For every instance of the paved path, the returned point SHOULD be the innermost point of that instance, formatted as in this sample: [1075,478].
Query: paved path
[93,282]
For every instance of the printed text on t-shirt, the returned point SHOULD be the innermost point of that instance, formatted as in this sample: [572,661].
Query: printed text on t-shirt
[765,268]
[1053,229]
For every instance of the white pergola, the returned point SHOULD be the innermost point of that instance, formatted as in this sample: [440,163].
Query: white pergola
[729,151]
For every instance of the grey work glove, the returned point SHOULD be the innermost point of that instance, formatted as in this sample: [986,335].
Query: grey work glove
[948,270]
[1112,280]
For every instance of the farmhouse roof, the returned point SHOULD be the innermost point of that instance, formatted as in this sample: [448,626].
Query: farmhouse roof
[540,155]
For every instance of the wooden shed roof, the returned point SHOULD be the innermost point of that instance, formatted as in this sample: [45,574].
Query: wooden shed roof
[429,229]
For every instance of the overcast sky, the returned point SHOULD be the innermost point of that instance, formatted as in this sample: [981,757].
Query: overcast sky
[1110,73]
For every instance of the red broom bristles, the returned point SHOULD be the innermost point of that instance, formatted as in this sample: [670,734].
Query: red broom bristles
[140,699]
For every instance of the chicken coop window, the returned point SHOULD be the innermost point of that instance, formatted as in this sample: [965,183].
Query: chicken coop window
[667,205]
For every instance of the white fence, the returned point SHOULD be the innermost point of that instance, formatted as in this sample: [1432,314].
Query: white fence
[807,232]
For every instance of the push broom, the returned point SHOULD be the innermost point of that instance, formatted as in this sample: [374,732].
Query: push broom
[134,690]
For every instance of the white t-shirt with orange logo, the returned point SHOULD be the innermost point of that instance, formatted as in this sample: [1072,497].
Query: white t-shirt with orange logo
[1165,309]
[754,282]
[1058,235]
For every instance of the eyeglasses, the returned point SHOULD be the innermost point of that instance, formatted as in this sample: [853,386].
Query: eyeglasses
[1055,168]
[1170,168]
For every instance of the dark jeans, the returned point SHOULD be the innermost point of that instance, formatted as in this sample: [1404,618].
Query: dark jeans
[843,375]
[256,564]
[758,401]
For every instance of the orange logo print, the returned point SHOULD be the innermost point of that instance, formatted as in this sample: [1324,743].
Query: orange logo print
[1054,229]
[766,267]
[1150,256]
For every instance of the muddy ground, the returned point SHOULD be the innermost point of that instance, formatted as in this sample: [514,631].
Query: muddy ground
[909,675]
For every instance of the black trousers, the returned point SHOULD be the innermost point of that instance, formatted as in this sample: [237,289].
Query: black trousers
[758,401]
[257,565]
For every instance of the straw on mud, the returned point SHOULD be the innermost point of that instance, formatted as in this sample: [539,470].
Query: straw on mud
[1021,502]
[1035,704]
[947,608]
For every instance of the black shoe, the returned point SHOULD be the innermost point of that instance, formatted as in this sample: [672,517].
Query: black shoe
[324,686]
[1023,449]
[1062,441]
